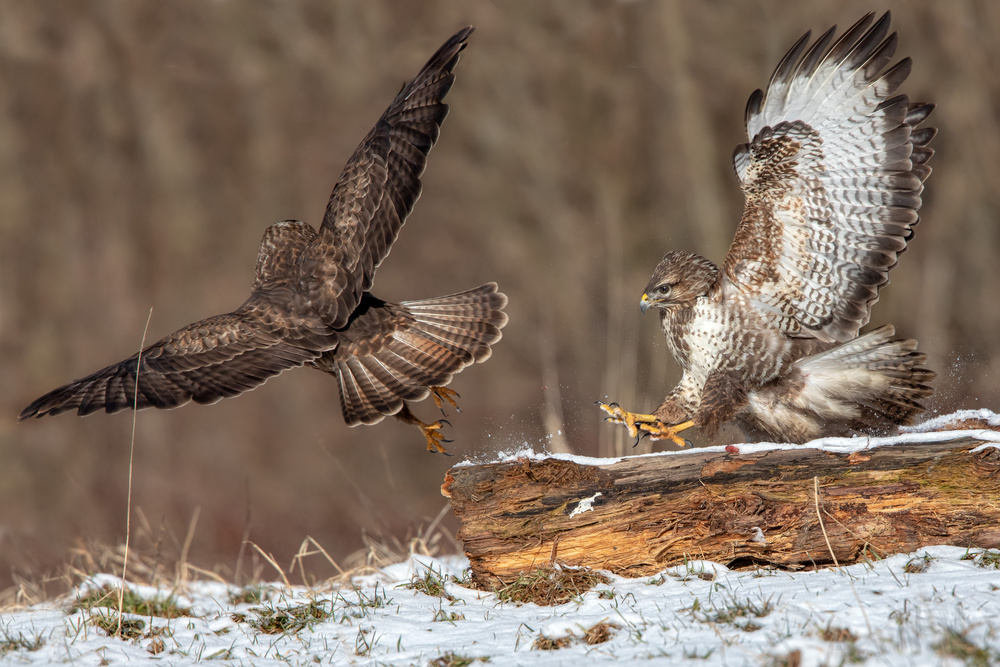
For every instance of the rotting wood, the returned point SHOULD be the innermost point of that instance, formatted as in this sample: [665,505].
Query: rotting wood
[642,514]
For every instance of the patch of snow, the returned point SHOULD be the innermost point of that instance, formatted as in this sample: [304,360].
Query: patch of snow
[924,608]
[585,505]
[937,423]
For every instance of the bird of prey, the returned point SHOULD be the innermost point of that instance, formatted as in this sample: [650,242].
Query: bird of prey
[832,176]
[310,302]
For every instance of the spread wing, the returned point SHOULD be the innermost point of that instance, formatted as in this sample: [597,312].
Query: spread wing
[377,190]
[207,361]
[832,178]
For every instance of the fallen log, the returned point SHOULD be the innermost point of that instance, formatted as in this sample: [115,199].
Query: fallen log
[784,507]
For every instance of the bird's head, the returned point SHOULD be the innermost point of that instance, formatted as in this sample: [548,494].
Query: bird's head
[679,279]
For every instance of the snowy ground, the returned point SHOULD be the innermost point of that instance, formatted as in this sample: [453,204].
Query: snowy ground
[939,606]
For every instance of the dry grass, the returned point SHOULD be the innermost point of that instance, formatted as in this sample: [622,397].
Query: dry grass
[150,563]
[450,659]
[600,633]
[548,586]
[832,634]
[543,643]
[596,634]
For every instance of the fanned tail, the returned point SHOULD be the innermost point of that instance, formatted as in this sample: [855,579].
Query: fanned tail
[883,375]
[434,339]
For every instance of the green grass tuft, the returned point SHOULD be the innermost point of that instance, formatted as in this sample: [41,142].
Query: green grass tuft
[287,620]
[430,583]
[132,603]
[739,613]
[987,558]
[131,628]
[918,564]
[10,643]
[955,644]
[254,594]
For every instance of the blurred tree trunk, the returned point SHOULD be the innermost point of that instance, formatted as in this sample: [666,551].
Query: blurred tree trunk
[642,514]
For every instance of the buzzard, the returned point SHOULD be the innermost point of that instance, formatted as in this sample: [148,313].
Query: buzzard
[310,302]
[832,176]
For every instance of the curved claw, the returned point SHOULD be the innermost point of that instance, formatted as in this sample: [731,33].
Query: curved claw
[617,415]
[442,395]
[640,425]
[660,431]
[432,431]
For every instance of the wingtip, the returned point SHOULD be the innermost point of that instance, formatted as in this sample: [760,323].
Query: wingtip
[35,410]
[460,40]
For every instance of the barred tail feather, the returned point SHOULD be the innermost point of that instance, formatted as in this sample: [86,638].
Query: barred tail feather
[437,339]
[868,385]
[882,375]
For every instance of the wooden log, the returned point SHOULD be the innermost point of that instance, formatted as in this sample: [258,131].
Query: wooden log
[641,514]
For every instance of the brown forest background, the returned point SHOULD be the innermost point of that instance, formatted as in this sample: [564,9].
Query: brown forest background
[145,146]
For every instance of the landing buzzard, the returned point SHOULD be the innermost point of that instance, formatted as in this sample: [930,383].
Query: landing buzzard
[832,178]
[310,301]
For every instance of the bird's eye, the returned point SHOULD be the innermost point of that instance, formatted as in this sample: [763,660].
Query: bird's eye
[663,289]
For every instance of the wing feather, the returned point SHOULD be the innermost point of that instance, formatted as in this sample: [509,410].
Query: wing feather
[832,177]
[377,190]
[207,361]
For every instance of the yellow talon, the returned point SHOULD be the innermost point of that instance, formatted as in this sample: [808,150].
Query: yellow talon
[661,431]
[619,416]
[650,424]
[432,432]
[442,395]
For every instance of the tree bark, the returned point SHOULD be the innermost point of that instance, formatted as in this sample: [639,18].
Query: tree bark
[642,514]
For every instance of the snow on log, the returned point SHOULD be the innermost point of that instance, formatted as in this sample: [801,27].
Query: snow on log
[835,501]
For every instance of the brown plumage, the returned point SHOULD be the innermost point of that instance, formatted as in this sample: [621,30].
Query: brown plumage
[310,301]
[832,177]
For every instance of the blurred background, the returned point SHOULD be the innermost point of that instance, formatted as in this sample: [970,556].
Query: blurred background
[145,147]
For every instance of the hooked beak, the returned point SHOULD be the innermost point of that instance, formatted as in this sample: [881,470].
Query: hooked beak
[644,303]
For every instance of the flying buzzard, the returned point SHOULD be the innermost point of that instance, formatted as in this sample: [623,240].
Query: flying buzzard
[310,301]
[832,178]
